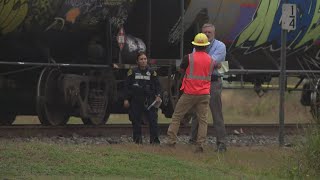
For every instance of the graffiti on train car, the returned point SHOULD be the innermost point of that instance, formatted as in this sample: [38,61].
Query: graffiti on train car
[225,14]
[91,12]
[42,15]
[253,24]
[98,3]
[91,5]
[35,13]
[265,28]
[94,11]
[12,14]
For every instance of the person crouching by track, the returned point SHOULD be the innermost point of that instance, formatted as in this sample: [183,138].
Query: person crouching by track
[198,67]
[142,89]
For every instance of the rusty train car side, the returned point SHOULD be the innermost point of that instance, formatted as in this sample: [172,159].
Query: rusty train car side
[61,41]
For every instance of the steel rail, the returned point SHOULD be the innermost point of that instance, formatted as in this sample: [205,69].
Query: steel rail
[126,129]
[272,71]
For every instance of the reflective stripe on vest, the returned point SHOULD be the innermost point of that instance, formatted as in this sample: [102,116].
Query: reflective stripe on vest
[191,76]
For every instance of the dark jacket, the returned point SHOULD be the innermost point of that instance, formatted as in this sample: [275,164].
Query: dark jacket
[142,85]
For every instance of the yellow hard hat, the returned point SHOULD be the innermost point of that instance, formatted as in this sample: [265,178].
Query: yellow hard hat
[200,40]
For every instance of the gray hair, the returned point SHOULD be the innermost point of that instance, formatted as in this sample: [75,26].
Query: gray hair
[209,25]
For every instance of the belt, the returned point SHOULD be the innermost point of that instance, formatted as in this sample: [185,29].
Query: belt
[215,78]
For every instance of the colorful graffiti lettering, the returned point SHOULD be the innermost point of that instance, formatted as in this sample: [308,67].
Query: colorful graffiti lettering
[314,29]
[259,29]
[93,12]
[72,15]
[12,14]
[246,10]
[41,12]
[265,28]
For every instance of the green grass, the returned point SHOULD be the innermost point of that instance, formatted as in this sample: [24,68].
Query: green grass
[46,160]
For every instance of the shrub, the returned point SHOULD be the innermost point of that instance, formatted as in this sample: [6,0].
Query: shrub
[305,163]
[311,149]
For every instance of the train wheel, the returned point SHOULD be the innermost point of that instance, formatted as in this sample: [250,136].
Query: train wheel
[51,107]
[7,119]
[98,104]
[315,101]
[96,120]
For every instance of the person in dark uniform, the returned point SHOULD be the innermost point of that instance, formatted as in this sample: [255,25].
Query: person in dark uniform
[142,89]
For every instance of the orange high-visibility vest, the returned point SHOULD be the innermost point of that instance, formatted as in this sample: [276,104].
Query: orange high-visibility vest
[197,79]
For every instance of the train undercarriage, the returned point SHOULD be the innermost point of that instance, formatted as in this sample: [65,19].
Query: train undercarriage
[54,94]
[57,93]
[55,58]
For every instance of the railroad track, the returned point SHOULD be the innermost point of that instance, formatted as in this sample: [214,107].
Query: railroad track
[126,129]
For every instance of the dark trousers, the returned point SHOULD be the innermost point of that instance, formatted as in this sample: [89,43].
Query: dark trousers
[217,116]
[136,111]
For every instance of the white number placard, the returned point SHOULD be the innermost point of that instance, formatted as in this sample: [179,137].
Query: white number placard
[289,17]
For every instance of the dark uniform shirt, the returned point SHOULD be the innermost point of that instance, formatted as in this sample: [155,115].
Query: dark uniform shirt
[142,85]
[185,63]
[183,67]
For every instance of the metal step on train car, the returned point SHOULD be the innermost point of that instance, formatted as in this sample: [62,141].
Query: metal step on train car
[57,56]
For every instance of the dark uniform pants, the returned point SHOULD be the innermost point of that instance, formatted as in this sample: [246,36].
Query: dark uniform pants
[136,111]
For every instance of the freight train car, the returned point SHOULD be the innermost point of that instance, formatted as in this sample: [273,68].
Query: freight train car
[57,56]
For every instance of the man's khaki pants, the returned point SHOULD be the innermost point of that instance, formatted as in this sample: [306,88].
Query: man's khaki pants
[200,104]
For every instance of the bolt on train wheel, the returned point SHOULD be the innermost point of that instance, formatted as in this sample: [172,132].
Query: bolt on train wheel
[51,107]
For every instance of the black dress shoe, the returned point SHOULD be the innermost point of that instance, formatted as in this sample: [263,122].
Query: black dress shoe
[138,140]
[221,147]
[192,141]
[155,141]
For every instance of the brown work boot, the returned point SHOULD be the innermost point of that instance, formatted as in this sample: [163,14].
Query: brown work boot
[155,141]
[169,145]
[198,149]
